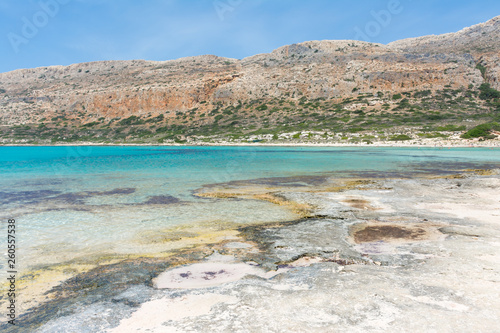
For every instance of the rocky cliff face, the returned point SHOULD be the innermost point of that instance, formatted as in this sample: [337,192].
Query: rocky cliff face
[327,70]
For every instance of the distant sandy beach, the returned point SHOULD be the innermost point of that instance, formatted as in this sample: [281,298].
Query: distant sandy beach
[434,144]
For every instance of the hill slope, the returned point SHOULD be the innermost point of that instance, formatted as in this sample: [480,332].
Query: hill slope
[333,86]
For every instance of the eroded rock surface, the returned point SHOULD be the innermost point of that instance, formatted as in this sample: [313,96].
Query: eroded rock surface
[413,268]
[425,260]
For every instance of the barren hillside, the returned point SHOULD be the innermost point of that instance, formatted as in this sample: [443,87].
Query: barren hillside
[327,83]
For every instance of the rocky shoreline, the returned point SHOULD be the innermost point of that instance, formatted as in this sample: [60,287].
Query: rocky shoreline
[372,254]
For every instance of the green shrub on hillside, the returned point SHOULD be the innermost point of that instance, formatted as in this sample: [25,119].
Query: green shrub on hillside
[487,92]
[132,120]
[399,137]
[420,94]
[450,128]
[482,131]
[482,69]
[263,107]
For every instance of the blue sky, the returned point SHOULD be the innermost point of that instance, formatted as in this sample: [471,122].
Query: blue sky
[37,33]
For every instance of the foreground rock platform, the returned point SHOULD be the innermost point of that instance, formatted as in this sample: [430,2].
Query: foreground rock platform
[416,254]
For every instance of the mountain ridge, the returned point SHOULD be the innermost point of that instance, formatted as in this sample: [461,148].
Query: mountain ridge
[466,36]
[193,92]
[495,20]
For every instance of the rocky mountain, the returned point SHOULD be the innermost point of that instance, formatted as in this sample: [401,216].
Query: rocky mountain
[481,40]
[478,39]
[333,85]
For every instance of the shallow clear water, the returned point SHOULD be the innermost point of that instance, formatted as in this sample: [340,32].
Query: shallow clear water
[75,202]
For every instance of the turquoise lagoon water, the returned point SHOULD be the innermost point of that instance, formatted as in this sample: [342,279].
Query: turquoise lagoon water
[78,202]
